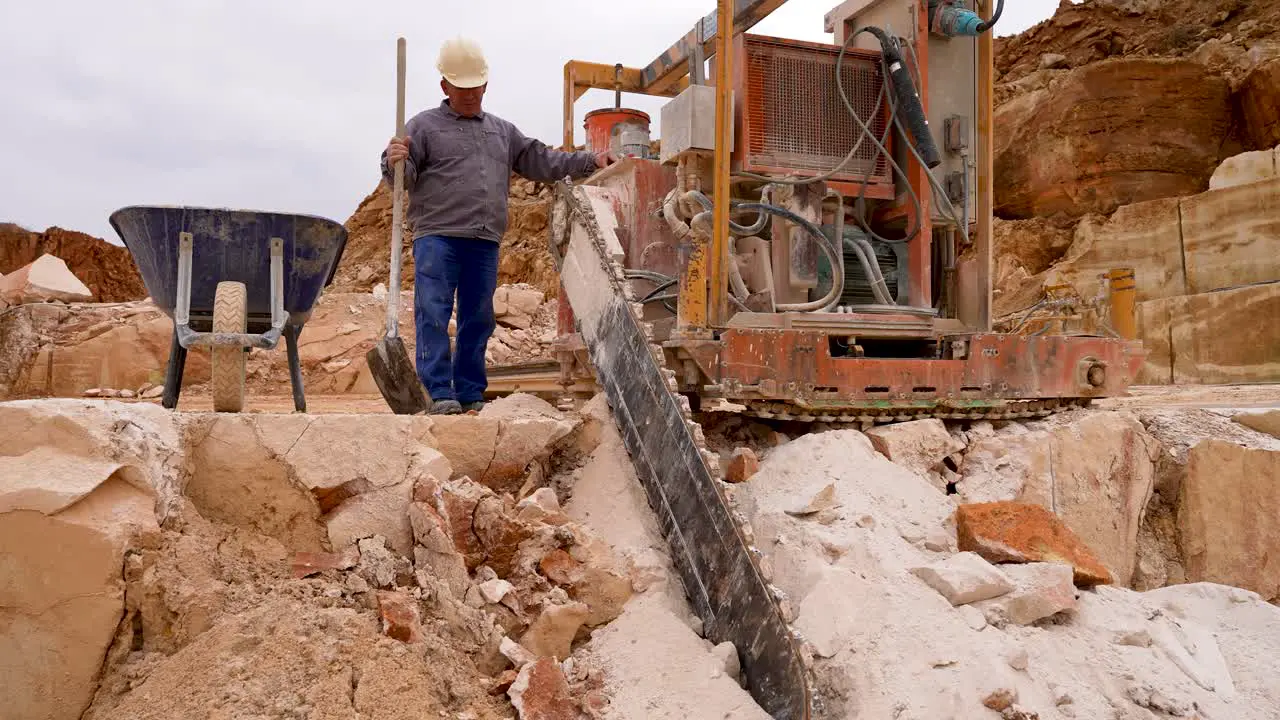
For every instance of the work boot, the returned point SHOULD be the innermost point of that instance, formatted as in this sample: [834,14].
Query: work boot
[446,407]
[477,406]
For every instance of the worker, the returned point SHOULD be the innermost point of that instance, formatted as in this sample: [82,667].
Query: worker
[458,161]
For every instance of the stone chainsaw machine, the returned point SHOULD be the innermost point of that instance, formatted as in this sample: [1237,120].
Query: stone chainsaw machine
[812,242]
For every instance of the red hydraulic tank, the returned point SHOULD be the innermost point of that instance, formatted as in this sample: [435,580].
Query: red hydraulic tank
[605,127]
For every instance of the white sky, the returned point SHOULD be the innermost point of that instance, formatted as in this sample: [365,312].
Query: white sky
[286,106]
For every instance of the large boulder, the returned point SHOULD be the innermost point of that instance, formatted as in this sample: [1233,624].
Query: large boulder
[47,278]
[80,486]
[1108,134]
[1095,471]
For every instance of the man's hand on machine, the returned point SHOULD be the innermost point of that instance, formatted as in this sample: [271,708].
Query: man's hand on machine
[603,159]
[397,150]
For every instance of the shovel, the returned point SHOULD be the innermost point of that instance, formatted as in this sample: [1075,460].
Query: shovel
[389,360]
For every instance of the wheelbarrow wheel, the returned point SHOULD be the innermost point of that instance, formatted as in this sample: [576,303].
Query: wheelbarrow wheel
[230,315]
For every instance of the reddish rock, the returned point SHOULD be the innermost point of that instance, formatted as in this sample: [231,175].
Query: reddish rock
[399,614]
[456,502]
[330,498]
[560,568]
[1258,105]
[310,563]
[541,692]
[500,535]
[504,681]
[1024,533]
[742,465]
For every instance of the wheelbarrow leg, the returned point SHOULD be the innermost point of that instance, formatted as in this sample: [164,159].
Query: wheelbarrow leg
[173,373]
[291,333]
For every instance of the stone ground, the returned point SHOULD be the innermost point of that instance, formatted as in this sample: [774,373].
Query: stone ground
[351,563]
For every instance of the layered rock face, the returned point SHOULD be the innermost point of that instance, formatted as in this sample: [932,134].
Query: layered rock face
[1110,134]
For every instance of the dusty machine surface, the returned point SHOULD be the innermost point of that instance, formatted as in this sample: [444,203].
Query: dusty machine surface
[796,250]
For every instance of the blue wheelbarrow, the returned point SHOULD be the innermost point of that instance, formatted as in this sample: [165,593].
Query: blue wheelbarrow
[232,280]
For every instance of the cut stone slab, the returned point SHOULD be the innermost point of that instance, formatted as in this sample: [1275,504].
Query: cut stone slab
[1010,532]
[1041,590]
[1188,349]
[1226,515]
[48,278]
[1230,237]
[964,578]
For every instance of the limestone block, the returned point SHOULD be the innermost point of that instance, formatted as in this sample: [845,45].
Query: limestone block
[66,520]
[1225,337]
[1230,237]
[1095,472]
[1039,591]
[47,278]
[964,578]
[919,445]
[1267,421]
[1227,507]
[1247,167]
[1155,325]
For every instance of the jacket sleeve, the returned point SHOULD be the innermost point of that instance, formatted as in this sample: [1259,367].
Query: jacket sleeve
[533,160]
[417,156]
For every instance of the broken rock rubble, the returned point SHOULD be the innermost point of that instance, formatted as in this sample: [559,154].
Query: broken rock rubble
[1042,648]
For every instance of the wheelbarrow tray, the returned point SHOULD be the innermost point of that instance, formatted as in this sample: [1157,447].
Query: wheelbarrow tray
[284,260]
[232,245]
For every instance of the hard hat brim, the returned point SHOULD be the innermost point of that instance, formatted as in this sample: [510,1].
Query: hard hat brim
[467,81]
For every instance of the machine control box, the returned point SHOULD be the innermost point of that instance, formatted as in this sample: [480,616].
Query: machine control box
[688,122]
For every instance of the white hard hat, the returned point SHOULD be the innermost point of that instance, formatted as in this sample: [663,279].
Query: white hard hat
[462,63]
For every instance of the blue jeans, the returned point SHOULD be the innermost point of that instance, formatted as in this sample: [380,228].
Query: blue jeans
[443,267]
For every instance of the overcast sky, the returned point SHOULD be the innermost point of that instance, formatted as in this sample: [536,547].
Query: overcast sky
[285,106]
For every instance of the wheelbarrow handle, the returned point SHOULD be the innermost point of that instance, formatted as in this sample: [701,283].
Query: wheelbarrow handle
[397,204]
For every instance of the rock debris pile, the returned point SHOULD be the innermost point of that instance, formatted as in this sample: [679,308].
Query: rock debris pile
[508,565]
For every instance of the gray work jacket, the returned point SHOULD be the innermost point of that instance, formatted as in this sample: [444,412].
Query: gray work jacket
[459,169]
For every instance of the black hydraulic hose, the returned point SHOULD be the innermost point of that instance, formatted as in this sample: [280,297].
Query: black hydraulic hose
[859,202]
[988,24]
[908,98]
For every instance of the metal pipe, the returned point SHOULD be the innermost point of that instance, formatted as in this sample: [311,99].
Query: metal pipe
[839,243]
[1124,291]
[719,251]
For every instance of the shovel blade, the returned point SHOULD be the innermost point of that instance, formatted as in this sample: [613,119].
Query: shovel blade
[393,371]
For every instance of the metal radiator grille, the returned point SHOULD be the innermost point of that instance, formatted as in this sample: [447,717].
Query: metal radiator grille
[794,117]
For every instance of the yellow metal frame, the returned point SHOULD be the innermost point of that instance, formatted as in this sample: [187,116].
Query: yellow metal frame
[718,272]
[580,76]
